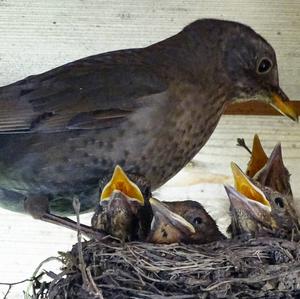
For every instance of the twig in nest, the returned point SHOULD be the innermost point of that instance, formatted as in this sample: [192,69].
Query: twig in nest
[11,284]
[256,279]
[251,269]
[241,142]
[34,275]
[88,282]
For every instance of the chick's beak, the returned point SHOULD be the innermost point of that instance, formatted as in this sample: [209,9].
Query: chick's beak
[121,182]
[246,187]
[274,174]
[258,158]
[118,200]
[163,215]
[239,202]
[251,208]
[279,100]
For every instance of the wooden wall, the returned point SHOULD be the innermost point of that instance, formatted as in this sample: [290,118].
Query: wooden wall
[37,35]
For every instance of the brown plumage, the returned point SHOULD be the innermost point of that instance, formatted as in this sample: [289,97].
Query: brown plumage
[182,221]
[149,110]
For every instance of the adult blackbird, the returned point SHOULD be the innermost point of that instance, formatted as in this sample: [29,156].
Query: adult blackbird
[149,110]
[258,210]
[182,221]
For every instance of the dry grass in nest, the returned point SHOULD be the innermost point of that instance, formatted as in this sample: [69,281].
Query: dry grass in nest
[261,268]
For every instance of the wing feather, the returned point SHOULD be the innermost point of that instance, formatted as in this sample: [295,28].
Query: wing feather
[91,93]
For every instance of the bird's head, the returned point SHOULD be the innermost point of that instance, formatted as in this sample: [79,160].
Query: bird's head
[259,210]
[182,221]
[168,227]
[120,203]
[234,55]
[251,65]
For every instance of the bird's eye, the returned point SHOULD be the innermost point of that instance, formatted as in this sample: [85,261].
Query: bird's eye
[197,220]
[264,66]
[279,201]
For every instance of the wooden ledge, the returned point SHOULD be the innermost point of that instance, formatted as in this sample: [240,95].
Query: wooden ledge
[256,108]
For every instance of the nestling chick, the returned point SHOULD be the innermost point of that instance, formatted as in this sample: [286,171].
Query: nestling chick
[258,210]
[269,172]
[123,211]
[182,221]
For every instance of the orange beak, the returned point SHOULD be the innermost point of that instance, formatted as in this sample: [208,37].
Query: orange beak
[279,100]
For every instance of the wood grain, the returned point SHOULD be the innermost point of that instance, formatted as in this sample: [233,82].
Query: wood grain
[38,35]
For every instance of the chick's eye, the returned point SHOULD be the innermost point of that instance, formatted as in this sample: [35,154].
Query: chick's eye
[264,66]
[197,220]
[279,201]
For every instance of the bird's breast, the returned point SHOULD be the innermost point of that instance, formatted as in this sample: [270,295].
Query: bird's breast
[165,137]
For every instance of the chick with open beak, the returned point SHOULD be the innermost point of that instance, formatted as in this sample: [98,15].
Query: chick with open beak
[258,157]
[123,211]
[182,221]
[258,210]
[270,172]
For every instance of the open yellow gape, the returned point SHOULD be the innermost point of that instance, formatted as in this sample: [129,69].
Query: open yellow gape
[121,182]
[246,187]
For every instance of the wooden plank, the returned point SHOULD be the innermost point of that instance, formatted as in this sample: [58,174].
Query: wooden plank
[39,35]
[256,108]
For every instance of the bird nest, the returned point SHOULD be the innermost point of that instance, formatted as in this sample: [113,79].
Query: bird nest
[257,268]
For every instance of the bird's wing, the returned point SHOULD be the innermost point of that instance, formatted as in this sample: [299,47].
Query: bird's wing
[91,93]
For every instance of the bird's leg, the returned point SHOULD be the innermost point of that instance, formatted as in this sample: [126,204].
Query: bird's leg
[70,224]
[38,208]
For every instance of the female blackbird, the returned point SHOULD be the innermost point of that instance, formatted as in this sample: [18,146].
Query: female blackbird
[149,110]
